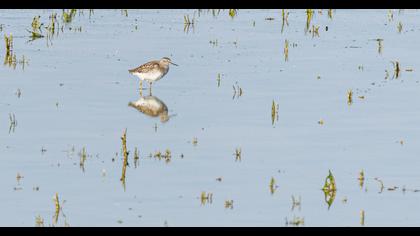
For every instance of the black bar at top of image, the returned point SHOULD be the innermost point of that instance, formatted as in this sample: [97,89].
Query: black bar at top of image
[210,4]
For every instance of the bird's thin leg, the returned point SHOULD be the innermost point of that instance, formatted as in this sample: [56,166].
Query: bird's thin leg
[141,88]
[150,88]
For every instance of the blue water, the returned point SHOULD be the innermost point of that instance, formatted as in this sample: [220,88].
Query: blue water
[75,94]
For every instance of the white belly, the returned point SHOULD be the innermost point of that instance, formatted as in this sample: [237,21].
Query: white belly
[153,76]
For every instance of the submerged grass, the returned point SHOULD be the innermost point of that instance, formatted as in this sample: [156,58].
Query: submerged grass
[397,69]
[284,19]
[13,122]
[10,57]
[206,198]
[238,154]
[274,112]
[125,154]
[361,178]
[329,189]
[136,157]
[229,204]
[272,185]
[349,97]
[286,50]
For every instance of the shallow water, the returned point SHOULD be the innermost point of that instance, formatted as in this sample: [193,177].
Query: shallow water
[75,94]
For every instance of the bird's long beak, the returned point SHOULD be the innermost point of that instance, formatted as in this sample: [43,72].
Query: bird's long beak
[173,64]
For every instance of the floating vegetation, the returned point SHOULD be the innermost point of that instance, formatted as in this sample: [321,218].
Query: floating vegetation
[158,155]
[397,69]
[286,50]
[125,154]
[329,189]
[195,141]
[9,43]
[390,15]
[229,204]
[284,19]
[399,27]
[36,29]
[349,97]
[233,13]
[272,185]
[330,15]
[321,122]
[124,12]
[23,62]
[91,12]
[296,202]
[68,15]
[238,154]
[39,221]
[362,217]
[219,79]
[296,221]
[188,23]
[76,29]
[166,156]
[214,43]
[237,91]
[13,122]
[10,57]
[82,156]
[36,24]
[314,31]
[206,198]
[52,26]
[381,183]
[215,12]
[18,178]
[57,208]
[379,45]
[392,188]
[274,112]
[136,157]
[361,178]
[309,15]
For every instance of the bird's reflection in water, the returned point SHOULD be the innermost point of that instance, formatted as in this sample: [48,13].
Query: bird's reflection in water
[151,106]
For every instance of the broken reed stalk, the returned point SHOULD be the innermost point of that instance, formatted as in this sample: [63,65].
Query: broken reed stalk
[125,153]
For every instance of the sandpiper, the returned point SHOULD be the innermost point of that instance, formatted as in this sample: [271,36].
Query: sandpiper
[152,71]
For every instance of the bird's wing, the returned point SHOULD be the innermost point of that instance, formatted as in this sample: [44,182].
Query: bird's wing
[145,67]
